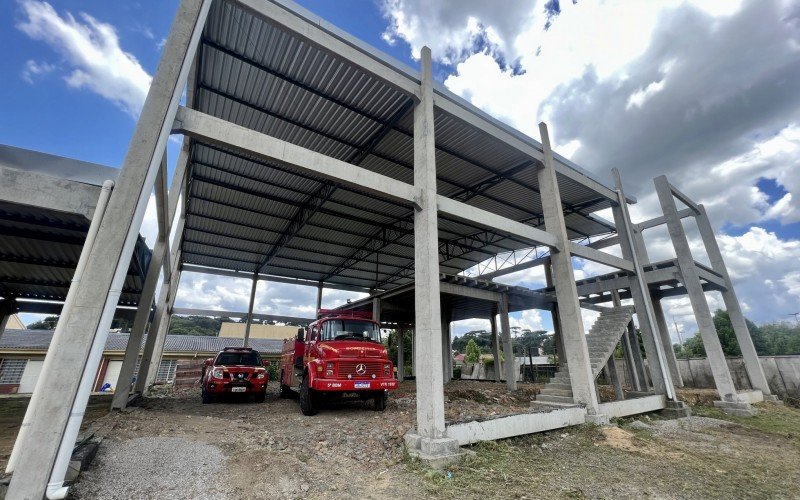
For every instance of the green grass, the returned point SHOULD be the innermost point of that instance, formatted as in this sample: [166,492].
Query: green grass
[778,420]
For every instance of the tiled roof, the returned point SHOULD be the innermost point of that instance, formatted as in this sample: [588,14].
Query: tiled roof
[32,340]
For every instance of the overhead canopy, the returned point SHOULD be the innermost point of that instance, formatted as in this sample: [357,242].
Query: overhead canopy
[40,244]
[249,215]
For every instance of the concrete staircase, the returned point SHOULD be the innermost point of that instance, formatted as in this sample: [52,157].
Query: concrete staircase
[601,340]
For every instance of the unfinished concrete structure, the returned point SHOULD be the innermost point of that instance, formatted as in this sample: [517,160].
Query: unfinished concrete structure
[311,158]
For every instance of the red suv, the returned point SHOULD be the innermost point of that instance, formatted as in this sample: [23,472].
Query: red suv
[236,371]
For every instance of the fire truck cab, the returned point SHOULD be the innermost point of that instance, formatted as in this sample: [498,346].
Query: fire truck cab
[340,354]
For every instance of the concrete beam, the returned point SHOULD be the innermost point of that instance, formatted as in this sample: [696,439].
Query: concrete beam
[216,131]
[466,291]
[515,425]
[462,211]
[495,340]
[45,191]
[657,221]
[115,243]
[685,199]
[634,406]
[594,255]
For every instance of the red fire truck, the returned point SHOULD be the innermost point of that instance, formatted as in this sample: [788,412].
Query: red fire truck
[339,355]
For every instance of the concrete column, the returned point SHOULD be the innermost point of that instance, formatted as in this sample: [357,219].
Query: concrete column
[558,340]
[691,281]
[413,352]
[115,243]
[148,369]
[510,366]
[495,339]
[666,341]
[376,309]
[168,289]
[569,313]
[249,320]
[7,309]
[401,366]
[141,320]
[319,296]
[638,360]
[428,358]
[613,375]
[751,362]
[656,357]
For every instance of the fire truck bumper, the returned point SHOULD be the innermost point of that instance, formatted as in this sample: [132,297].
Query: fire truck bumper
[332,385]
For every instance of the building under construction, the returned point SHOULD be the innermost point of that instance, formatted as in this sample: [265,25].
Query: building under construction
[311,158]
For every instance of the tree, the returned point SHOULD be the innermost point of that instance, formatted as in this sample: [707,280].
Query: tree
[529,339]
[49,323]
[473,352]
[482,338]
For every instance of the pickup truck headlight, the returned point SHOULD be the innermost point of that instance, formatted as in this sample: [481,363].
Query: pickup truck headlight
[261,375]
[217,373]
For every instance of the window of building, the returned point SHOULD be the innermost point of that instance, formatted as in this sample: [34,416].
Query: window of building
[11,370]
[166,370]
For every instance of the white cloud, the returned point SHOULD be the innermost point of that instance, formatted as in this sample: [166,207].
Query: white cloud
[92,51]
[33,69]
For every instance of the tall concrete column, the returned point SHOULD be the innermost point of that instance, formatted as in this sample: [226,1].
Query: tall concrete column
[413,352]
[7,309]
[569,313]
[613,375]
[115,243]
[319,297]
[666,341]
[401,345]
[510,365]
[249,320]
[376,309]
[495,339]
[428,357]
[656,357]
[558,340]
[691,281]
[751,362]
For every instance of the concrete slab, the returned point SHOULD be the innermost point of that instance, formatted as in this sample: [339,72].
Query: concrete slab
[437,453]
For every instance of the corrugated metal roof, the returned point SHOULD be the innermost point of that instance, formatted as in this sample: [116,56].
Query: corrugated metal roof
[35,340]
[258,75]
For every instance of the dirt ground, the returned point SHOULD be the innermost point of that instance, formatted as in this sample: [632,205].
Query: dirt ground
[175,447]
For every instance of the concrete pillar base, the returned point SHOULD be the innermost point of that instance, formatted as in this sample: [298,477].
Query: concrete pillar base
[772,398]
[435,453]
[736,408]
[598,419]
[676,409]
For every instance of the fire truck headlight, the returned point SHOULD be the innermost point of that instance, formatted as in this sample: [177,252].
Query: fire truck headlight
[387,368]
[329,369]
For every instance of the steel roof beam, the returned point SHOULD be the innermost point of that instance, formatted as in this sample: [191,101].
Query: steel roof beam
[185,311]
[263,277]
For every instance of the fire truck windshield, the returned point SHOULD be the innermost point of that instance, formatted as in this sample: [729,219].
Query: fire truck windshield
[350,329]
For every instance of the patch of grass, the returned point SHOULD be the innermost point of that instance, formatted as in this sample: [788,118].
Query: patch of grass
[779,420]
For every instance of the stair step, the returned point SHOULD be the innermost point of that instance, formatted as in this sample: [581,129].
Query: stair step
[544,398]
[559,386]
[556,392]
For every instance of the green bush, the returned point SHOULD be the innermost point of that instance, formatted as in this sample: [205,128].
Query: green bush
[473,352]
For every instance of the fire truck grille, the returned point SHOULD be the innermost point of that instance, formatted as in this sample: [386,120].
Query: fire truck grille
[351,368]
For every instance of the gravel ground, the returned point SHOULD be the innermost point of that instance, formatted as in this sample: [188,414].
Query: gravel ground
[180,448]
[155,467]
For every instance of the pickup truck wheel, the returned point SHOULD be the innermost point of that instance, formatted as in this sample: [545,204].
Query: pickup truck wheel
[205,397]
[308,405]
[380,401]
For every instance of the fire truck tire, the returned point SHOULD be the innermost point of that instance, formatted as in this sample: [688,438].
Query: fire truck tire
[286,391]
[308,405]
[380,401]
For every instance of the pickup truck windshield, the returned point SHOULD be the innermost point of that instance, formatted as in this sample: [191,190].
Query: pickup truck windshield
[239,359]
[347,329]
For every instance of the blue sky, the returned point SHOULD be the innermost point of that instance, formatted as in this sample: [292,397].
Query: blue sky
[702,90]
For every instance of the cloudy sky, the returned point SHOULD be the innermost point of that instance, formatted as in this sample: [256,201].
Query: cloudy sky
[704,91]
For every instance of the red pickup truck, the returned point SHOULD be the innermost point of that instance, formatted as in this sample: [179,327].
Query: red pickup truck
[340,354]
[234,371]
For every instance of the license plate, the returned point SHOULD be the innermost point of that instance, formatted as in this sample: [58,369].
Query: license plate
[238,389]
[362,385]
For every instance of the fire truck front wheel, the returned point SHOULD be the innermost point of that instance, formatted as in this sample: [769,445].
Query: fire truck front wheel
[308,403]
[380,401]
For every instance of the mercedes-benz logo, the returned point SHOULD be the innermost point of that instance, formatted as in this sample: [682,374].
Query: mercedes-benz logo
[361,368]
